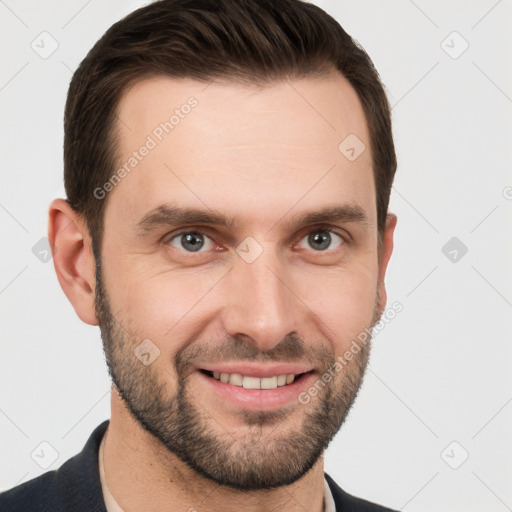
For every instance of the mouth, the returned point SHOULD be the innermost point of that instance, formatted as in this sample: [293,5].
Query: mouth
[256,388]
[251,382]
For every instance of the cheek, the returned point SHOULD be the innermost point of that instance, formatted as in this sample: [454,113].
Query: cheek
[173,307]
[342,300]
[159,306]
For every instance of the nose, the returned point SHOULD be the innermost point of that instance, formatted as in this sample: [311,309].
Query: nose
[259,302]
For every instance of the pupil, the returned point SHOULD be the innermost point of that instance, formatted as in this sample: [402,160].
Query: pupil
[192,241]
[322,241]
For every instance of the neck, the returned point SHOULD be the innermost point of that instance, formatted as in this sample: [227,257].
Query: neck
[143,475]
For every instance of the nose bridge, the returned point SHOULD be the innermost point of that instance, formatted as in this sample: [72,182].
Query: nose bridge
[259,303]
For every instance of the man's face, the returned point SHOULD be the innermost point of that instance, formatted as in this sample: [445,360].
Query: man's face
[266,294]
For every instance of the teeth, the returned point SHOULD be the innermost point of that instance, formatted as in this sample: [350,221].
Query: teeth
[236,379]
[255,382]
[251,383]
[269,383]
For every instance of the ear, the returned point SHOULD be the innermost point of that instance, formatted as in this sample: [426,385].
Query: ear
[73,258]
[384,255]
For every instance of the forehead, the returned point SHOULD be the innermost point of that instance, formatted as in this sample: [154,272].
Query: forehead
[253,150]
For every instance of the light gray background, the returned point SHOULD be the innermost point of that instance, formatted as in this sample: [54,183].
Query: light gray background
[440,371]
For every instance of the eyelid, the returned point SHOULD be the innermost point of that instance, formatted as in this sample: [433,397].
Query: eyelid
[172,236]
[205,230]
[327,228]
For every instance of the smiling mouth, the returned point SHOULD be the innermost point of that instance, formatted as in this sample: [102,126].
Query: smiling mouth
[249,382]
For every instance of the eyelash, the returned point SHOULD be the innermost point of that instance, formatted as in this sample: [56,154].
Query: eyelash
[325,229]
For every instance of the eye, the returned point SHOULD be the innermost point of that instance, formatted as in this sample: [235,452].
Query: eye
[191,241]
[322,239]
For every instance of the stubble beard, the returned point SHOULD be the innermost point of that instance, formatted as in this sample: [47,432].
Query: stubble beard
[264,457]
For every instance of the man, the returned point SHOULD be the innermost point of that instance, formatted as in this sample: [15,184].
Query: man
[228,166]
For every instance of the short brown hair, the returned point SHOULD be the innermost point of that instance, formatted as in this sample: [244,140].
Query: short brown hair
[255,41]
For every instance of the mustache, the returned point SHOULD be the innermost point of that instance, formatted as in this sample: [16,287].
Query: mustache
[292,348]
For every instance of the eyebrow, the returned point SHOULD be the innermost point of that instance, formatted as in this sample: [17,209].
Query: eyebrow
[169,215]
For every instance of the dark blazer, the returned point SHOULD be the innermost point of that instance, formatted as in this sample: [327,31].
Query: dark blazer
[76,487]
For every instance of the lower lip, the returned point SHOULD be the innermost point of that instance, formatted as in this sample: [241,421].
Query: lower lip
[258,399]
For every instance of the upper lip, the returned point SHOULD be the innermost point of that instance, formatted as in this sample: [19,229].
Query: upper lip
[258,369]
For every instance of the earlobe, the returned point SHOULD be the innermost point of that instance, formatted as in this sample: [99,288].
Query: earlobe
[73,258]
[384,256]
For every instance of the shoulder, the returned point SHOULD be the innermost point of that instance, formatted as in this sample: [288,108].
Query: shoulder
[75,486]
[347,503]
[41,494]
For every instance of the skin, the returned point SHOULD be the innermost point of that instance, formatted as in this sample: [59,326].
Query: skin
[266,156]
